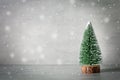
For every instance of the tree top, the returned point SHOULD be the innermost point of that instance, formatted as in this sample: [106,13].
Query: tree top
[88,24]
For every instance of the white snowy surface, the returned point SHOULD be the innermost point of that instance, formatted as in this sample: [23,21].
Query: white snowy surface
[55,72]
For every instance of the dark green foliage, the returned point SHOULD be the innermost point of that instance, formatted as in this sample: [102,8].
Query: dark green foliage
[90,52]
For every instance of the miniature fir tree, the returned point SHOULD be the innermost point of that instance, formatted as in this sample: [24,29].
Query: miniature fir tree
[90,53]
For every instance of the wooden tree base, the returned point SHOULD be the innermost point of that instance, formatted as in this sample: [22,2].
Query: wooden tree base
[89,69]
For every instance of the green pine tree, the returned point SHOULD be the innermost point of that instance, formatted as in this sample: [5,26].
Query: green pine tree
[90,53]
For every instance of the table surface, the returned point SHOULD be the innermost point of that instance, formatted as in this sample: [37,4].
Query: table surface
[55,72]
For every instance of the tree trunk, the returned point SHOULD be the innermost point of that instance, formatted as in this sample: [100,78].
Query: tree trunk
[89,69]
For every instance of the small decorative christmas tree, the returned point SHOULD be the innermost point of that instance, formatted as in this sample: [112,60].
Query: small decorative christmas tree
[90,54]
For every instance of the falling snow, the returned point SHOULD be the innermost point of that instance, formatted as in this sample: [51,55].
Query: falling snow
[43,7]
[107,37]
[29,29]
[39,49]
[23,37]
[7,45]
[103,8]
[59,61]
[9,73]
[42,17]
[12,55]
[98,1]
[24,1]
[93,4]
[54,36]
[32,9]
[72,33]
[7,28]
[21,69]
[8,13]
[118,21]
[72,1]
[24,60]
[42,56]
[106,19]
[32,51]
[118,27]
[117,48]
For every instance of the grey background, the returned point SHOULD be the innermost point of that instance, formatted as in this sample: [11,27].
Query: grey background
[50,31]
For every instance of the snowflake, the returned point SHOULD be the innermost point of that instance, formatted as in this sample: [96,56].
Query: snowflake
[118,27]
[54,36]
[91,15]
[103,8]
[106,20]
[113,72]
[8,13]
[42,17]
[110,7]
[24,60]
[7,45]
[23,37]
[114,4]
[72,1]
[72,33]
[32,9]
[24,51]
[4,67]
[9,73]
[4,6]
[42,73]
[43,7]
[98,0]
[21,69]
[31,51]
[72,38]
[107,38]
[12,55]
[59,61]
[118,48]
[39,49]
[73,73]
[118,21]
[50,17]
[42,56]
[7,28]
[116,65]
[56,14]
[82,5]
[24,1]
[93,4]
